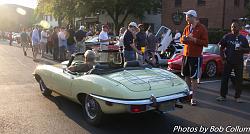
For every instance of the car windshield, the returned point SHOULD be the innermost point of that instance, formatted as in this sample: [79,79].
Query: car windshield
[212,48]
[92,39]
[113,56]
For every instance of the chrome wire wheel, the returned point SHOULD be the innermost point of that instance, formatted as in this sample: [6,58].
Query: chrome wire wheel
[211,69]
[91,107]
[92,111]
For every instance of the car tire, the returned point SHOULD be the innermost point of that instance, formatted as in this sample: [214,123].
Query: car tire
[211,69]
[45,91]
[92,112]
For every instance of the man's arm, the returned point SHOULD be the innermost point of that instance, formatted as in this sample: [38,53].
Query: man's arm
[203,40]
[222,45]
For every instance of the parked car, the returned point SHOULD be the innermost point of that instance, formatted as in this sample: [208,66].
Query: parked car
[246,70]
[167,48]
[113,86]
[93,42]
[17,37]
[211,66]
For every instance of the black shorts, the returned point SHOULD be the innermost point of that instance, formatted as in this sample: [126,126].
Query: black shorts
[191,67]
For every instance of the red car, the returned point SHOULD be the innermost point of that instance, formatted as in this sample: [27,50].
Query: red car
[211,65]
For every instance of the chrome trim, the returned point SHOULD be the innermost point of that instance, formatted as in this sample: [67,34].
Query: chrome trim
[145,101]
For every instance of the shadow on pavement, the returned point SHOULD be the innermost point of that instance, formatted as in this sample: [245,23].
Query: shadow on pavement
[207,99]
[146,123]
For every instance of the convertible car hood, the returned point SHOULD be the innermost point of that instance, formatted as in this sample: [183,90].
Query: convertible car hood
[147,79]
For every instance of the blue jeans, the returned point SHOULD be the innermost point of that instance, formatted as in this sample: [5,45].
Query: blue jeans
[129,55]
[71,49]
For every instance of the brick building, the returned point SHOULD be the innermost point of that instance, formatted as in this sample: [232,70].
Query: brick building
[212,13]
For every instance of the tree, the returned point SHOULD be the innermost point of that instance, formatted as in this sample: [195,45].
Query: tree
[60,9]
[119,10]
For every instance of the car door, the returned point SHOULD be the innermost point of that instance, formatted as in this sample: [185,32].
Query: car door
[63,83]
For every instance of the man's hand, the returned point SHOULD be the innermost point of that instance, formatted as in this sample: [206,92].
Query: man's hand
[139,52]
[191,38]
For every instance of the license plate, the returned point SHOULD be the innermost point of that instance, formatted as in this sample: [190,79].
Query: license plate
[167,106]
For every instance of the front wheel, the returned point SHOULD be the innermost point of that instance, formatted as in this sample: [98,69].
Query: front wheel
[45,91]
[211,69]
[92,111]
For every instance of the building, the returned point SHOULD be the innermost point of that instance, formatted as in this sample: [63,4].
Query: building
[14,17]
[212,13]
[51,20]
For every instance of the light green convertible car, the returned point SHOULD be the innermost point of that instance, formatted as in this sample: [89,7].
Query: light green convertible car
[113,87]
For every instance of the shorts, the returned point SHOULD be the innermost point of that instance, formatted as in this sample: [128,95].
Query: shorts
[191,67]
[129,55]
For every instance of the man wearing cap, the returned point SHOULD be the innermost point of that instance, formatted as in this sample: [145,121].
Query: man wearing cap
[79,38]
[130,49]
[194,38]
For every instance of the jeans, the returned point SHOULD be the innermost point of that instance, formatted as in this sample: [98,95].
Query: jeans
[55,53]
[238,70]
[71,49]
[129,55]
[62,53]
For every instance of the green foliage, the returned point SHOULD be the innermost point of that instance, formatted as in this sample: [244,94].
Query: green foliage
[215,35]
[118,10]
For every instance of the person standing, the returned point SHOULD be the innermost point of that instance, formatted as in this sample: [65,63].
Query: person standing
[24,41]
[62,44]
[55,43]
[130,49]
[44,41]
[233,46]
[104,38]
[140,42]
[35,42]
[151,46]
[79,38]
[10,38]
[70,40]
[194,38]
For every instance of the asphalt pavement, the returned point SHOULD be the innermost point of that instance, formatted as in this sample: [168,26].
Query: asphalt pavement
[23,110]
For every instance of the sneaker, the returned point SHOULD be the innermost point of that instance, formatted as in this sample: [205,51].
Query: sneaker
[239,100]
[193,102]
[220,98]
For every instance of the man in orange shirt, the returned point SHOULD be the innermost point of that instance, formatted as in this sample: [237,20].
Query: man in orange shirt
[194,38]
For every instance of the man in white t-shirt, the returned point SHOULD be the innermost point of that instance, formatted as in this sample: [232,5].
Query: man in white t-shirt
[43,41]
[104,38]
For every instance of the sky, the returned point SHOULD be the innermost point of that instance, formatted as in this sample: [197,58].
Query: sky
[26,3]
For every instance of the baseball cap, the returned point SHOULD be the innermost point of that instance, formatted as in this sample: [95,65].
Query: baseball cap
[191,12]
[81,27]
[132,24]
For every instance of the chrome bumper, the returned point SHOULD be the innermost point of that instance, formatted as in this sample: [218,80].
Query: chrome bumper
[144,101]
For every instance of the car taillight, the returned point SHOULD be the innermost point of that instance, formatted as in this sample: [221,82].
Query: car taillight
[137,108]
